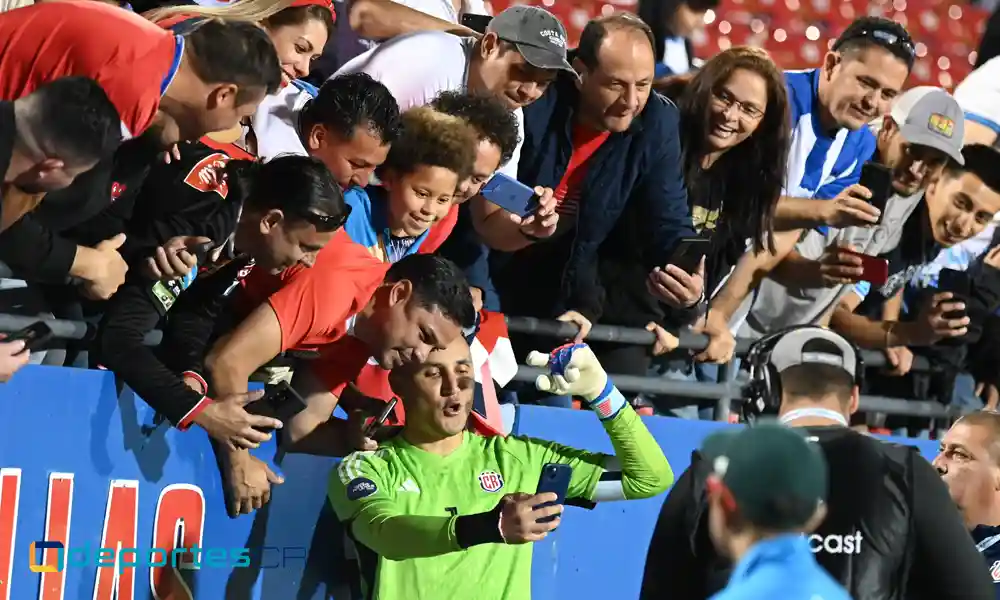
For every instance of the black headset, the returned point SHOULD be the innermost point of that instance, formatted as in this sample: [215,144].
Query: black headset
[762,394]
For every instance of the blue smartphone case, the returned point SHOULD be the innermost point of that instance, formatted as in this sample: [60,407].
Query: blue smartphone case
[510,195]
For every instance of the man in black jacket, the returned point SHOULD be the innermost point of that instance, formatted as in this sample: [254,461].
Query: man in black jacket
[891,530]
[271,214]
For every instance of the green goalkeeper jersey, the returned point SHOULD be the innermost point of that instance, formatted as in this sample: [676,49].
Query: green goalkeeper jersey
[402,504]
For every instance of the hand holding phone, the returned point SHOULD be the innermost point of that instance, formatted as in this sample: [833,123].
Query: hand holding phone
[873,269]
[477,23]
[280,401]
[35,336]
[943,318]
[555,479]
[878,179]
[510,195]
[689,252]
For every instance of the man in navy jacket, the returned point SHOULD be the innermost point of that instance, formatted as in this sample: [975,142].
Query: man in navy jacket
[606,144]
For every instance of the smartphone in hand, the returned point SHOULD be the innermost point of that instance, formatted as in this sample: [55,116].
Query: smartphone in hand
[689,252]
[878,179]
[875,270]
[280,401]
[477,23]
[960,286]
[381,418]
[555,478]
[510,195]
[35,336]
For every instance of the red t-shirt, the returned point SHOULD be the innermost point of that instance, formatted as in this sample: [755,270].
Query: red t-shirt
[132,58]
[314,304]
[439,232]
[586,141]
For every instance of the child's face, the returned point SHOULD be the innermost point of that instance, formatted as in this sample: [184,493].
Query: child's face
[419,199]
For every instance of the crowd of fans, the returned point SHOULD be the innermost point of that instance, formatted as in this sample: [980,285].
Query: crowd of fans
[178,171]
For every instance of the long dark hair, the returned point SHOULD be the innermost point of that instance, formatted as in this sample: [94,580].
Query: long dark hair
[747,179]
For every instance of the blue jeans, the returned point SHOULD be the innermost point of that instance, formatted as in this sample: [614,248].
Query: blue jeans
[686,370]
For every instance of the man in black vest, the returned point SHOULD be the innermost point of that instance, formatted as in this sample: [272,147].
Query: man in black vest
[891,530]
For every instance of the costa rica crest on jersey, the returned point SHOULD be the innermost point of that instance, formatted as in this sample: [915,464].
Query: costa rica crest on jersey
[490,481]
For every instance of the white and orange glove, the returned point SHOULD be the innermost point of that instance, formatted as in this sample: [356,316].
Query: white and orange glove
[574,370]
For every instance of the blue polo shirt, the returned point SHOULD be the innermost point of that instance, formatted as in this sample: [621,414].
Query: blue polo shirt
[820,165]
[781,567]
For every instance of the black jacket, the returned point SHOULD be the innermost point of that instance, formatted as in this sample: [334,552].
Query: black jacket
[913,542]
[171,202]
[640,167]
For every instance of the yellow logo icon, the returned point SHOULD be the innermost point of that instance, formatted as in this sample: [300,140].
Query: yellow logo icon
[941,124]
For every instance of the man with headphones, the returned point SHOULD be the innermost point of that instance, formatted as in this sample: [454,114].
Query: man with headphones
[891,530]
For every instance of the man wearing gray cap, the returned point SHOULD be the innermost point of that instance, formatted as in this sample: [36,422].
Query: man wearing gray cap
[922,131]
[891,530]
[523,49]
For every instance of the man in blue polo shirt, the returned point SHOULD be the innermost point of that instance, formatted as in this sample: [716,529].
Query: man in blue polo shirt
[831,105]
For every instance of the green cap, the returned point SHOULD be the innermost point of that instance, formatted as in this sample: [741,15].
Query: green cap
[775,475]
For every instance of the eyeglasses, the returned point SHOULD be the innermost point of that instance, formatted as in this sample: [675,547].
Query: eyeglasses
[726,100]
[883,38]
[326,222]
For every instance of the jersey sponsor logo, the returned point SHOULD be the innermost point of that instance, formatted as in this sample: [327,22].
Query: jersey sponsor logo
[117,190]
[208,175]
[490,481]
[360,487]
[995,571]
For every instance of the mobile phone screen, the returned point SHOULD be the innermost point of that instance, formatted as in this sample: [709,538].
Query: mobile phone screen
[878,179]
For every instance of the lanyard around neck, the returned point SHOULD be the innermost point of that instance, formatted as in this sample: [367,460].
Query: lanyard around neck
[824,413]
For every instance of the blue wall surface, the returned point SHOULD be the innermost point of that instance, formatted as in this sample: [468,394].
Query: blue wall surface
[70,421]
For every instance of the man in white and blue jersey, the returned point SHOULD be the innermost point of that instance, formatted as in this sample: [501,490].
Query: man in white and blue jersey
[831,105]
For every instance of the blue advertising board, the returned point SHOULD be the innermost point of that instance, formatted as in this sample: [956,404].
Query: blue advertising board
[84,466]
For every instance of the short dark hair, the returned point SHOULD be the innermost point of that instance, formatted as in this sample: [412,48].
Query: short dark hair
[980,160]
[72,119]
[815,381]
[299,15]
[597,29]
[438,284]
[234,52]
[296,185]
[347,102]
[877,32]
[433,139]
[491,119]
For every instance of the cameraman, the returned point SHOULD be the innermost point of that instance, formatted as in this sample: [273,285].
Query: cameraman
[891,529]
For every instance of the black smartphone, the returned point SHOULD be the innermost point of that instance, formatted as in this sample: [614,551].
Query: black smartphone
[381,418]
[555,478]
[477,23]
[878,179]
[35,336]
[280,401]
[959,284]
[201,252]
[689,252]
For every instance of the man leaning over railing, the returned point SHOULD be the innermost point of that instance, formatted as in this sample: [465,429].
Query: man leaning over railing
[481,488]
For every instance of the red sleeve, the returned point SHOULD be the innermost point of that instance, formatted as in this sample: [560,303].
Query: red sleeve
[439,232]
[340,363]
[307,307]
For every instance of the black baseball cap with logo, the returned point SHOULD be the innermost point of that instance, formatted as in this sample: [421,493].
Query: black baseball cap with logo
[536,33]
[776,477]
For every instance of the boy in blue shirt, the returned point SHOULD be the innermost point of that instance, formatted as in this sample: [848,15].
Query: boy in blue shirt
[767,490]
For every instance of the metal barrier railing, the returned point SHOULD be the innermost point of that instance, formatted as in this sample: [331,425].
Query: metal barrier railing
[724,391]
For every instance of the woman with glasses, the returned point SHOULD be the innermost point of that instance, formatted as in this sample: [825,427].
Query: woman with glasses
[735,133]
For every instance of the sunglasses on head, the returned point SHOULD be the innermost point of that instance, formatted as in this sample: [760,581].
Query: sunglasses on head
[883,38]
[326,222]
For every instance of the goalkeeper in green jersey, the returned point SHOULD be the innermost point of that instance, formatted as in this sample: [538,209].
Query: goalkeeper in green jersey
[440,513]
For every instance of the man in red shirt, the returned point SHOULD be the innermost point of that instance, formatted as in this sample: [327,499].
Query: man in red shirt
[422,304]
[184,86]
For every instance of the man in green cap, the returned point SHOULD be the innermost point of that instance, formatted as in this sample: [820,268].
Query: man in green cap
[766,490]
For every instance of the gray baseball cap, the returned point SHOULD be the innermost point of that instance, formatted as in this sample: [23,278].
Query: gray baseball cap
[814,345]
[537,34]
[929,116]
